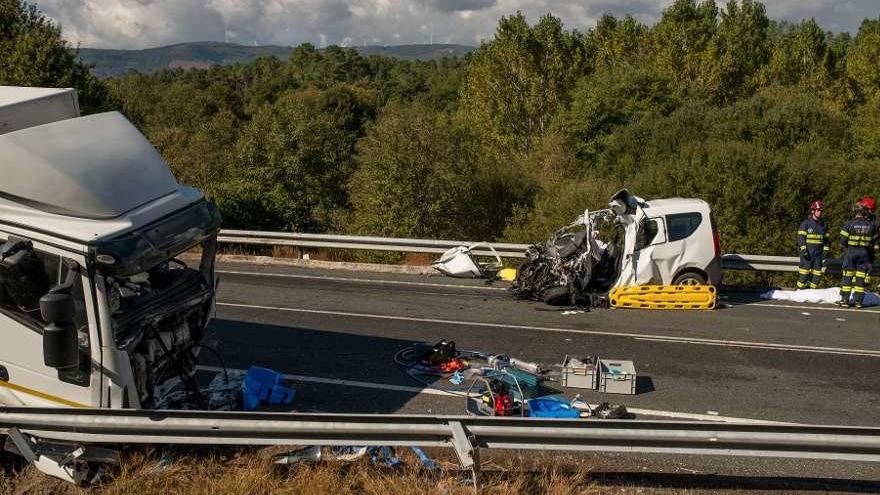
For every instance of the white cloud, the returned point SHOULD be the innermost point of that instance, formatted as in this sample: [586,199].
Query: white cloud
[146,23]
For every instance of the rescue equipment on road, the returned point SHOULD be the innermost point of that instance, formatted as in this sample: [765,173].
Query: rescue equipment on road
[664,297]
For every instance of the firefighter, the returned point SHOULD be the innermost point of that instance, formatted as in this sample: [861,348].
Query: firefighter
[857,238]
[813,245]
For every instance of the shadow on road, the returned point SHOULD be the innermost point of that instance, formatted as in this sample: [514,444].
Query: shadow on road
[321,354]
[644,385]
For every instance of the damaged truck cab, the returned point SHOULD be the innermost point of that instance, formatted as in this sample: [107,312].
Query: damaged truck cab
[97,306]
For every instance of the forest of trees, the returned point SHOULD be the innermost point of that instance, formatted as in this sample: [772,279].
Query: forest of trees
[716,101]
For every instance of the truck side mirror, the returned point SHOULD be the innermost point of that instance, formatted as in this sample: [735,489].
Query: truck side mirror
[60,346]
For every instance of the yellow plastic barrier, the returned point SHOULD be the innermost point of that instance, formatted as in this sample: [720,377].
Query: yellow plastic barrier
[508,274]
[664,297]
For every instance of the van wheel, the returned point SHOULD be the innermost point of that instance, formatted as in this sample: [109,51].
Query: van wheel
[689,278]
[557,296]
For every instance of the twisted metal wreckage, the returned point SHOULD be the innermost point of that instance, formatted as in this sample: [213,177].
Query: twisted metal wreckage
[574,266]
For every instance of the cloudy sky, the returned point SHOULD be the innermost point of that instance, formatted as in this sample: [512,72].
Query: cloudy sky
[148,23]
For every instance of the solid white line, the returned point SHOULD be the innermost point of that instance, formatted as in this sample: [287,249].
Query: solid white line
[812,307]
[666,338]
[480,287]
[756,346]
[434,391]
[363,280]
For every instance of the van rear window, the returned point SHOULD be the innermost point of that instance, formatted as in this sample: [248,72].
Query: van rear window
[682,225]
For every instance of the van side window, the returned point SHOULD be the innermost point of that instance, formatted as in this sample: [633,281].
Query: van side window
[647,232]
[682,225]
[26,274]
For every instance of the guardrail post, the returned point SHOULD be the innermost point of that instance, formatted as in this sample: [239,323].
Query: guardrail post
[468,454]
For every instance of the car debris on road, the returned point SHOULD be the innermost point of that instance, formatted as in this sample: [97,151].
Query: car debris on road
[671,242]
[500,385]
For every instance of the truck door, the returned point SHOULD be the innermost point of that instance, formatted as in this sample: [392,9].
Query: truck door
[24,378]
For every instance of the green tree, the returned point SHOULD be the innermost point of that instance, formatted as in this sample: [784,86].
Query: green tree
[740,48]
[33,53]
[518,81]
[294,157]
[863,59]
[866,129]
[801,56]
[609,100]
[681,42]
[414,177]
[614,43]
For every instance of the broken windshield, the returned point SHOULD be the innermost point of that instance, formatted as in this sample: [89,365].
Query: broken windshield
[137,301]
[160,315]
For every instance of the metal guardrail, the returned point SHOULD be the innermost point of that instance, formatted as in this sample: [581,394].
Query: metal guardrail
[330,241]
[464,434]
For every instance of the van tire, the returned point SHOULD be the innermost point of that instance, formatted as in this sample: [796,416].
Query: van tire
[689,278]
[557,296]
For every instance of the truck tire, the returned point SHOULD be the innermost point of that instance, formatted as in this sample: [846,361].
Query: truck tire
[689,278]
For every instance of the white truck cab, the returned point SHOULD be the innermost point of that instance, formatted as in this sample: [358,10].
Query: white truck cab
[96,308]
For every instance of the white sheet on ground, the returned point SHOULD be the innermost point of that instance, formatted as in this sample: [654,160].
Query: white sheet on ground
[818,296]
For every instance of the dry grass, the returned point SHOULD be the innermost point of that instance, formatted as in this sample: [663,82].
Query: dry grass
[254,473]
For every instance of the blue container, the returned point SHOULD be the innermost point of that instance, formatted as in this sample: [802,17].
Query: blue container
[264,385]
[548,407]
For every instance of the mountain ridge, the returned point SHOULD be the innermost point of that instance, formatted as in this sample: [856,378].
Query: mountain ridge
[203,54]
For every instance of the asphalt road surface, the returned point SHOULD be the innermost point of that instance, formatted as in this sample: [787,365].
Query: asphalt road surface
[334,333]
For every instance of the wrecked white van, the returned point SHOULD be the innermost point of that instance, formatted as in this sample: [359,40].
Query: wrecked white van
[633,242]
[96,308]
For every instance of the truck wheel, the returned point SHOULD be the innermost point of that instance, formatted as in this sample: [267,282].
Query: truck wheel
[689,278]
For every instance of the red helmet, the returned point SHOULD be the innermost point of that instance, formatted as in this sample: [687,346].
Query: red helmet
[868,203]
[817,205]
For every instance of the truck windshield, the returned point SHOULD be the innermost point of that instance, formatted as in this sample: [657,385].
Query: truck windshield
[140,301]
[159,283]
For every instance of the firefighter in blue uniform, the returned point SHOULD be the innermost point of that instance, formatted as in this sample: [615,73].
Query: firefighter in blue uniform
[857,238]
[813,245]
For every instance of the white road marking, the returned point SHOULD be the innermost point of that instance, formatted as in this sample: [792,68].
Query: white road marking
[813,307]
[434,391]
[481,287]
[364,280]
[664,338]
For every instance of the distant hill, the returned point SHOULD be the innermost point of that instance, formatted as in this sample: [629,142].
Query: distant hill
[204,54]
